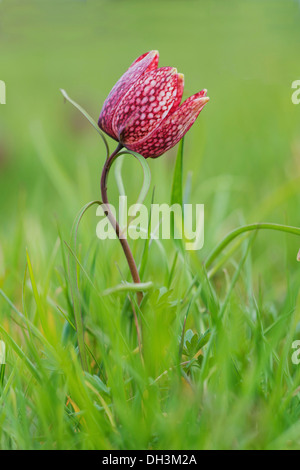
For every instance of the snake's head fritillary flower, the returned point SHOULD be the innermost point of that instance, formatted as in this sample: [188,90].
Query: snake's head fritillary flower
[143,110]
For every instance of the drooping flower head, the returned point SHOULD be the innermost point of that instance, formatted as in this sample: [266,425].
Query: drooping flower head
[143,110]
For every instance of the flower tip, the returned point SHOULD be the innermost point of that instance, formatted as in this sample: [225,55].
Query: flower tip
[154,53]
[298,256]
[203,96]
[203,100]
[203,92]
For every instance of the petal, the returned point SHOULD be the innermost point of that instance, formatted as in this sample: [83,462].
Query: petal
[142,57]
[180,87]
[145,105]
[144,63]
[173,128]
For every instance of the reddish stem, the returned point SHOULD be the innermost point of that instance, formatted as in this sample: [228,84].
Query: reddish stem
[126,248]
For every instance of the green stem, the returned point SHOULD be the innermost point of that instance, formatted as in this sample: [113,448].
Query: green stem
[247,228]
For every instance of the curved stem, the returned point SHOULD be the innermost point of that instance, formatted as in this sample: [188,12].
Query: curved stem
[126,248]
[247,228]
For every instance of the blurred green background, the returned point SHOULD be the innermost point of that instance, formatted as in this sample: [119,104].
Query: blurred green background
[242,156]
[243,147]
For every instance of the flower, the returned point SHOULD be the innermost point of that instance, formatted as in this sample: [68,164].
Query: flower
[143,110]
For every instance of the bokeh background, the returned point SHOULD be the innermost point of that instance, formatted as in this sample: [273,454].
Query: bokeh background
[244,147]
[241,159]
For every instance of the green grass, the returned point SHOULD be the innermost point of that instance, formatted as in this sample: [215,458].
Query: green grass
[214,370]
